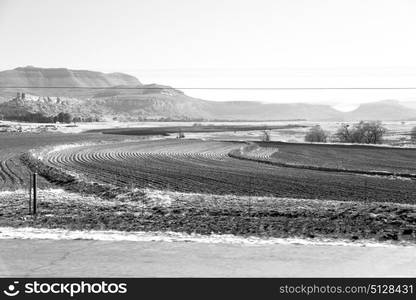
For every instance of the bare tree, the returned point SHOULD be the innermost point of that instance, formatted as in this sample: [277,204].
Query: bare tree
[413,135]
[316,135]
[343,133]
[363,132]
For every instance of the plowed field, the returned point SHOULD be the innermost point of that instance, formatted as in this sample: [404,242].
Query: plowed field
[13,173]
[206,167]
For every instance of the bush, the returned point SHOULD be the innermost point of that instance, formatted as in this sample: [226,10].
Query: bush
[266,136]
[364,133]
[316,135]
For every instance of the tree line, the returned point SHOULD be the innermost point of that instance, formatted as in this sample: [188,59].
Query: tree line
[370,132]
[62,117]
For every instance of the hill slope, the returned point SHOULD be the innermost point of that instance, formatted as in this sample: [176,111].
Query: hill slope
[382,110]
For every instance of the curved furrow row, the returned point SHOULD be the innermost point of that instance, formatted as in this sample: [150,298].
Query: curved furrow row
[91,165]
[205,167]
[9,177]
[3,176]
[17,178]
[64,160]
[98,163]
[190,161]
[94,160]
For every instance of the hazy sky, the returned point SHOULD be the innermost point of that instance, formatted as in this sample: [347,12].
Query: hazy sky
[224,43]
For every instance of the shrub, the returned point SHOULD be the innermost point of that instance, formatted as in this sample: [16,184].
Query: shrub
[316,135]
[266,136]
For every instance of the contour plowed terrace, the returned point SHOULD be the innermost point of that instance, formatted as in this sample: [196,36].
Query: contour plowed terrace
[14,174]
[205,167]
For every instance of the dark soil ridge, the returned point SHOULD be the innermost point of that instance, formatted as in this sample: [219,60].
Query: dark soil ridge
[334,145]
[238,154]
[168,130]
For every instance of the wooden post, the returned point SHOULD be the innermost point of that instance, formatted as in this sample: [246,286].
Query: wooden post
[30,194]
[34,192]
[365,186]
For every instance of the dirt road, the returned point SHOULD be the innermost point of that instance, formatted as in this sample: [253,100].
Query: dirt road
[43,258]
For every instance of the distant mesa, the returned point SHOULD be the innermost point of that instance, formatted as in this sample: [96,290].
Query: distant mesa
[30,76]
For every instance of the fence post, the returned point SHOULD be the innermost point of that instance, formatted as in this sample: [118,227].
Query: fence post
[365,188]
[34,192]
[30,194]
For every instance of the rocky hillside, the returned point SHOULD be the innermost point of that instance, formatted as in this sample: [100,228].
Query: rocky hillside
[43,109]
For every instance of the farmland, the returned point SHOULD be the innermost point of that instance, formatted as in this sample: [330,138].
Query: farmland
[196,128]
[13,173]
[336,157]
[206,167]
[207,186]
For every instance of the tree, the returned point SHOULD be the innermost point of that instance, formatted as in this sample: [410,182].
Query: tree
[363,132]
[77,119]
[64,117]
[316,135]
[344,134]
[413,135]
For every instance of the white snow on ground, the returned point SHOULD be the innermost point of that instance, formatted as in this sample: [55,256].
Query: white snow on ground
[62,196]
[388,177]
[155,197]
[140,236]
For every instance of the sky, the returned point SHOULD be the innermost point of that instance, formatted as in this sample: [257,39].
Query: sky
[225,43]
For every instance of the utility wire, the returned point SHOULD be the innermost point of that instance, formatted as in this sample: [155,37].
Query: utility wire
[209,88]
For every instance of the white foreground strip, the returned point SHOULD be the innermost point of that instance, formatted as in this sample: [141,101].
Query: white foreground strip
[169,236]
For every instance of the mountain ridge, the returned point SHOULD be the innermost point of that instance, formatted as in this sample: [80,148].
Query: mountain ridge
[388,110]
[30,76]
[123,97]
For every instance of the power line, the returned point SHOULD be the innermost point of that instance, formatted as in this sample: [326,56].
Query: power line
[209,88]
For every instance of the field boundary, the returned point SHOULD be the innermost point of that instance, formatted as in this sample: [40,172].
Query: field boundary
[338,145]
[168,130]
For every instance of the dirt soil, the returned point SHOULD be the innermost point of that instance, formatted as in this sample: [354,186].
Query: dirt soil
[205,214]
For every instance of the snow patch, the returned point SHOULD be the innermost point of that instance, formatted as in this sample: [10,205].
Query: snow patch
[169,236]
[158,198]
